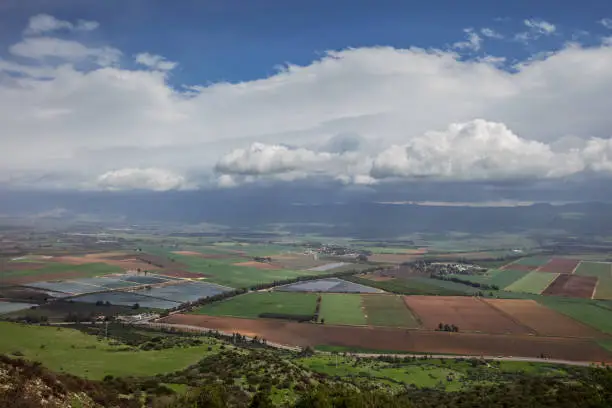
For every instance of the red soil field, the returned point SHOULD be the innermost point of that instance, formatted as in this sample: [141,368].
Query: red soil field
[572,286]
[468,313]
[305,334]
[559,265]
[519,267]
[542,320]
[258,265]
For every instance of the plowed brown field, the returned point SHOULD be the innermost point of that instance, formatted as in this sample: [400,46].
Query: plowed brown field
[542,320]
[572,286]
[468,313]
[559,265]
[305,334]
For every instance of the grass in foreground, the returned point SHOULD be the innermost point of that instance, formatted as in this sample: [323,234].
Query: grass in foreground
[71,351]
[388,310]
[533,282]
[339,308]
[419,375]
[251,305]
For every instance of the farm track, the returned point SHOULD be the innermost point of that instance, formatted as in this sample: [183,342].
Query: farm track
[422,341]
[191,328]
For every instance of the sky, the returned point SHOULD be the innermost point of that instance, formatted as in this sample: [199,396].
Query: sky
[205,95]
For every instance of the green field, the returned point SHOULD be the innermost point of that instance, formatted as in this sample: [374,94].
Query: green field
[533,282]
[342,309]
[388,310]
[421,374]
[222,271]
[251,305]
[533,260]
[499,277]
[603,290]
[601,270]
[443,285]
[85,270]
[586,311]
[71,351]
[417,286]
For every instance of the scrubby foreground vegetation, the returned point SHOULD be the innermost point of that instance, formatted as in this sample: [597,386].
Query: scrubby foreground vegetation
[233,371]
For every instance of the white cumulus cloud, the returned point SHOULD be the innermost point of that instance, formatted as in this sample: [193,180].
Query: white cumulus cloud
[472,42]
[39,48]
[155,61]
[44,23]
[475,150]
[70,112]
[141,179]
[491,33]
[606,22]
[536,28]
[261,159]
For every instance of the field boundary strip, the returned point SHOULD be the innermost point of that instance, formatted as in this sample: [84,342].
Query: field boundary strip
[510,317]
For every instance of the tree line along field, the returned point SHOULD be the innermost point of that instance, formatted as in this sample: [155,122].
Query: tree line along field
[246,369]
[385,310]
[546,317]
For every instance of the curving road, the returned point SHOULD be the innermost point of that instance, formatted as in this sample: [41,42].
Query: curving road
[374,355]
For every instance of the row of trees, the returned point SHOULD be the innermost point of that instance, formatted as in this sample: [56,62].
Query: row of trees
[455,279]
[447,327]
[189,306]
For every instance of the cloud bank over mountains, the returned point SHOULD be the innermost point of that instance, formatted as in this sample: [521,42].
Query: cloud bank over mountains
[80,116]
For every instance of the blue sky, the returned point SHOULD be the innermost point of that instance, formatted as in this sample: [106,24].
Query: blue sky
[242,40]
[160,95]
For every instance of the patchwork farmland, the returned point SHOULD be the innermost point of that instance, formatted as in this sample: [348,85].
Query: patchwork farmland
[352,311]
[388,310]
[423,341]
[342,309]
[468,313]
[572,286]
[533,282]
[559,265]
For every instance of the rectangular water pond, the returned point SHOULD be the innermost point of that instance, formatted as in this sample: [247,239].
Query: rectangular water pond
[8,307]
[126,299]
[329,285]
[327,267]
[185,292]
[71,287]
[106,283]
[142,279]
